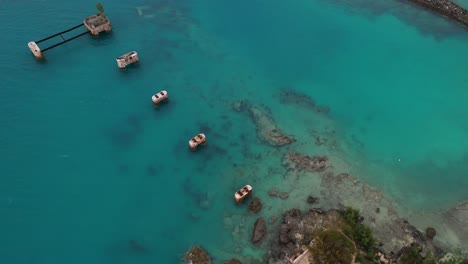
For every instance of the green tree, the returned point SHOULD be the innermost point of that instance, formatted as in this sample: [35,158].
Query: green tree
[358,232]
[411,256]
[100,8]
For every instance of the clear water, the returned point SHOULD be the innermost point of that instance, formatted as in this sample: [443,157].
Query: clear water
[462,3]
[89,165]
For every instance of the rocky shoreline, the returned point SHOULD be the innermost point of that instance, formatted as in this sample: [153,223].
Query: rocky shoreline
[446,8]
[334,236]
[319,234]
[374,232]
[300,228]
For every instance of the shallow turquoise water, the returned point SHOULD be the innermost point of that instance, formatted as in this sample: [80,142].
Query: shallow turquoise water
[88,164]
[399,92]
[462,3]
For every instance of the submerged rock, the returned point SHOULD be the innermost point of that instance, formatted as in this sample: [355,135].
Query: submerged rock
[255,206]
[430,233]
[273,192]
[267,130]
[136,246]
[259,230]
[283,195]
[289,96]
[240,106]
[197,255]
[312,199]
[234,261]
[273,219]
[298,162]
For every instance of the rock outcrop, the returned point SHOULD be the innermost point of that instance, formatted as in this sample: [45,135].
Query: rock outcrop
[297,228]
[300,228]
[388,227]
[197,255]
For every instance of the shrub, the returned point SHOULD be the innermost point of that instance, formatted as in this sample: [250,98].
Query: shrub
[411,256]
[358,232]
[100,8]
[351,215]
[361,259]
[430,258]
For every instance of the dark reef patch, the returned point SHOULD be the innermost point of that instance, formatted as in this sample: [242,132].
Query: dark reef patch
[292,97]
[125,132]
[419,17]
[137,247]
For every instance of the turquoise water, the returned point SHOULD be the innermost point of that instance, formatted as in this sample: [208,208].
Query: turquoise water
[462,3]
[89,165]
